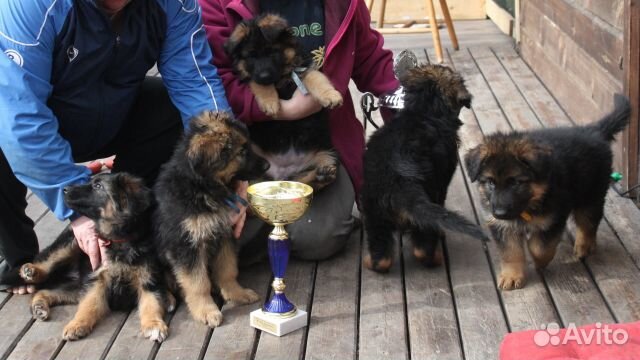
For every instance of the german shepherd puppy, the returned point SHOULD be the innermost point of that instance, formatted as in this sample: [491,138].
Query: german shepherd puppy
[193,231]
[408,166]
[267,56]
[532,181]
[121,206]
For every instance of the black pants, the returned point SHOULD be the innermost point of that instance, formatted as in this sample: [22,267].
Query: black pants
[144,143]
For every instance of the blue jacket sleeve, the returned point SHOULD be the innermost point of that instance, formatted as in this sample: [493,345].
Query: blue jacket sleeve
[39,157]
[185,62]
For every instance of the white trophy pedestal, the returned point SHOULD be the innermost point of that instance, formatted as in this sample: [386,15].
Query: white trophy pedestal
[276,325]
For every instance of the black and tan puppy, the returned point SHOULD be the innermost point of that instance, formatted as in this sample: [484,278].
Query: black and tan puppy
[121,207]
[192,223]
[408,166]
[532,181]
[266,55]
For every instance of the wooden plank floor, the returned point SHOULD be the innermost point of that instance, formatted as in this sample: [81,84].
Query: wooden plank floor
[452,312]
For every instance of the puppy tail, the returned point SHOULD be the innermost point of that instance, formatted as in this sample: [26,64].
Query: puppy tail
[428,214]
[617,120]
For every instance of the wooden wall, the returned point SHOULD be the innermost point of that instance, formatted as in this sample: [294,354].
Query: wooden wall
[576,47]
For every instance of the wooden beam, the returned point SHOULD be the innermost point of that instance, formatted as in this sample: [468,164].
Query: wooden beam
[632,90]
[435,33]
[411,30]
[449,22]
[500,17]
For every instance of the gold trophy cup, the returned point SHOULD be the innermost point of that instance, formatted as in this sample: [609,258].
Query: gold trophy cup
[279,203]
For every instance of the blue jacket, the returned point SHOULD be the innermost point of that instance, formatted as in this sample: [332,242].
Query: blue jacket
[68,80]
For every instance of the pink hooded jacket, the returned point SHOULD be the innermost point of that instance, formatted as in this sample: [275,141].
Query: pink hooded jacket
[353,51]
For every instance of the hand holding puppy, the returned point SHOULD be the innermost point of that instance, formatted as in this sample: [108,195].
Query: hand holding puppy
[298,107]
[238,218]
[84,229]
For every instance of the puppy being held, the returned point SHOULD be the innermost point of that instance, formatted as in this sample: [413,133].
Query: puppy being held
[192,222]
[266,55]
[121,206]
[408,166]
[532,181]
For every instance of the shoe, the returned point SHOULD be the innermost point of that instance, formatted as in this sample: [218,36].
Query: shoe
[5,270]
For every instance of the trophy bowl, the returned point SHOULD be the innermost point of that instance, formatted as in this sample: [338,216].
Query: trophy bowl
[279,202]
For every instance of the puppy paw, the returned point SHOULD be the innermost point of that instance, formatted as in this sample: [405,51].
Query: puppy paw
[330,99]
[270,108]
[582,250]
[31,274]
[75,330]
[325,175]
[244,296]
[209,315]
[40,310]
[429,260]
[171,302]
[511,280]
[155,330]
[379,265]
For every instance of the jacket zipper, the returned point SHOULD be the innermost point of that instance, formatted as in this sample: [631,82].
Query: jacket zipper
[342,29]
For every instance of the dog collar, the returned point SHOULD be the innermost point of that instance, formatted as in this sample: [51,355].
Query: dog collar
[233,199]
[296,79]
[526,216]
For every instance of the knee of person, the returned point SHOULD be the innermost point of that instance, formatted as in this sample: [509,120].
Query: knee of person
[321,244]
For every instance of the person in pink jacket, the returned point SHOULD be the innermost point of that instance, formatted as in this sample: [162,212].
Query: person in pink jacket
[349,50]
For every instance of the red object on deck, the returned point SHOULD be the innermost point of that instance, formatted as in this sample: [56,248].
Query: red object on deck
[594,342]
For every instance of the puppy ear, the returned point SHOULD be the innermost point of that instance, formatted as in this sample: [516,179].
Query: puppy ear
[272,26]
[132,194]
[473,161]
[420,90]
[211,122]
[237,36]
[210,135]
[464,98]
[536,158]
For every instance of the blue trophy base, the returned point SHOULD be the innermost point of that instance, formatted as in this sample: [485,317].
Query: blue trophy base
[278,325]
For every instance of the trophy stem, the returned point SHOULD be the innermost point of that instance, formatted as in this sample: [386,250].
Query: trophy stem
[279,247]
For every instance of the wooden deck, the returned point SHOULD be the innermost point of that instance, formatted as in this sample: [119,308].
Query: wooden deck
[452,312]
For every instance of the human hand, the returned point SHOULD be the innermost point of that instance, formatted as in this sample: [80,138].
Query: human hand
[298,107]
[84,230]
[238,218]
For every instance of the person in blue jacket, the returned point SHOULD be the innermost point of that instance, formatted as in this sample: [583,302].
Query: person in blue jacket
[73,88]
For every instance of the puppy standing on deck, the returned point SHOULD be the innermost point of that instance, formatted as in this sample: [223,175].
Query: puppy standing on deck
[121,207]
[193,229]
[408,166]
[267,56]
[532,181]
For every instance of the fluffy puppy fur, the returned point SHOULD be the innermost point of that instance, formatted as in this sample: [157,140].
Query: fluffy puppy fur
[192,226]
[532,181]
[408,166]
[121,206]
[265,54]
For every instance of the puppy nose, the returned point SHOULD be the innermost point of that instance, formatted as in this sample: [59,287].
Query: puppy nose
[500,212]
[263,76]
[65,189]
[265,166]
